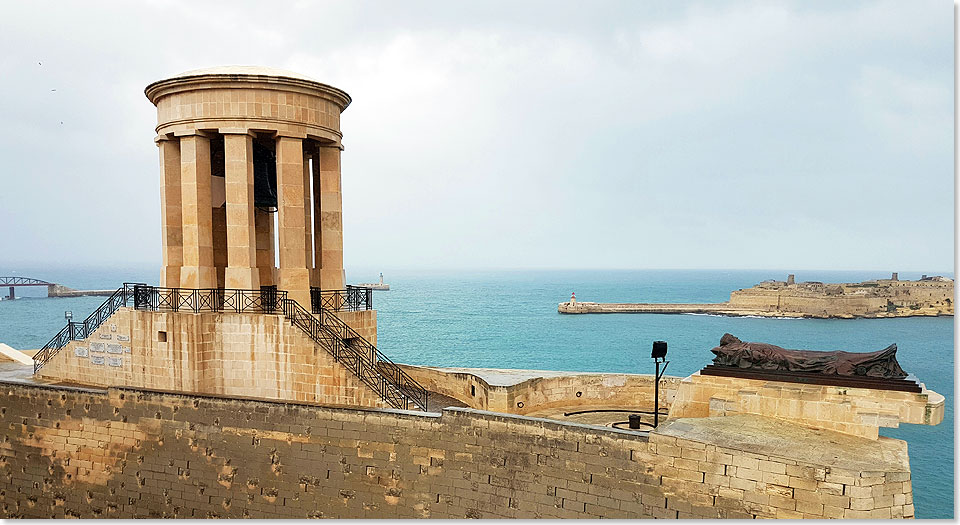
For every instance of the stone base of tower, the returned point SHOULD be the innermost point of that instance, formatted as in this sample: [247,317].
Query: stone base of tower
[230,354]
[364,322]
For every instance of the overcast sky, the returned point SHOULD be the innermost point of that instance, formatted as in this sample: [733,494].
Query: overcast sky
[637,134]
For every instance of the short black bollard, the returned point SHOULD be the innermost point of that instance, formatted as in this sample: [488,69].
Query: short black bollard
[634,421]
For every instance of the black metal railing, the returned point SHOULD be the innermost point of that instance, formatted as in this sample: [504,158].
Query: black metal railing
[267,301]
[353,299]
[399,383]
[81,330]
[360,356]
[346,346]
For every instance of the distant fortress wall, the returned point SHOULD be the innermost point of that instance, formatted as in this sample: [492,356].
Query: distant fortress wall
[809,303]
[881,298]
[930,290]
[933,296]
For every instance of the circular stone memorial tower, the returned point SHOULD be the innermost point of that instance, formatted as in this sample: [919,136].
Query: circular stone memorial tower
[250,188]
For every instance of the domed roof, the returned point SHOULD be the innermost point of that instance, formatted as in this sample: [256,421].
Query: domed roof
[245,70]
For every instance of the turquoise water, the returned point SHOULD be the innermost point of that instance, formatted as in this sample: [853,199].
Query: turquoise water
[510,320]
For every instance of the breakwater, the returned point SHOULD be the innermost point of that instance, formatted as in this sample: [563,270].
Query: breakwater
[58,290]
[577,307]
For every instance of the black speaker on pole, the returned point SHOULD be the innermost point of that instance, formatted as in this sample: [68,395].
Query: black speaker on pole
[659,350]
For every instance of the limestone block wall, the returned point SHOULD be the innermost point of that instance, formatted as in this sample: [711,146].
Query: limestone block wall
[364,322]
[761,299]
[769,469]
[307,111]
[214,353]
[920,297]
[545,391]
[124,453]
[596,390]
[463,386]
[811,304]
[856,411]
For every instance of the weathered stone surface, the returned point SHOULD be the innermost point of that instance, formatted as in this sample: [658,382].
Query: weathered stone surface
[541,392]
[856,411]
[255,355]
[770,438]
[124,452]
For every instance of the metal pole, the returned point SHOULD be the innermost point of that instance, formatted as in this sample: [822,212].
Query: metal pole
[656,396]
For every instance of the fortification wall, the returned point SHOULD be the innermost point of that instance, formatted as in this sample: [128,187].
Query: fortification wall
[918,297]
[807,303]
[213,353]
[124,453]
[547,391]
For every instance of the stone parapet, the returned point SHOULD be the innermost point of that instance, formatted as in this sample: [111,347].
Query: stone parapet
[127,453]
[533,391]
[767,468]
[857,411]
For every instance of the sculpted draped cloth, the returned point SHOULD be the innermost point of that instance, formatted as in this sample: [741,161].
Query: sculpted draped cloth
[733,352]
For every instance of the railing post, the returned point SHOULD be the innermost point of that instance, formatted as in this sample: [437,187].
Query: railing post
[369,294]
[137,291]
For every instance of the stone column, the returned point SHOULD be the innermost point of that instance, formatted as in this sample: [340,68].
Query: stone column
[329,241]
[317,226]
[294,275]
[308,213]
[198,270]
[171,221]
[266,258]
[220,242]
[242,272]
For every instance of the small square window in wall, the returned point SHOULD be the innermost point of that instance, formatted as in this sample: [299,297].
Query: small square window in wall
[162,336]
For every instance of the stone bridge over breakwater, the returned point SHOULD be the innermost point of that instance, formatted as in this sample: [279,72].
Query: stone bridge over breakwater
[53,289]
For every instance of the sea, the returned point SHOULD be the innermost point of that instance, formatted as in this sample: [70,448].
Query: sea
[509,319]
